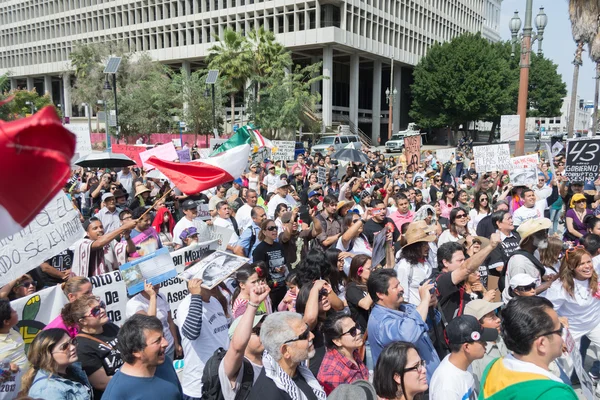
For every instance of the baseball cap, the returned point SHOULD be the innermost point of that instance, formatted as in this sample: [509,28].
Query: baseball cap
[238,181]
[282,183]
[357,390]
[107,195]
[272,166]
[378,175]
[521,280]
[466,329]
[257,319]
[313,193]
[189,205]
[479,308]
[187,232]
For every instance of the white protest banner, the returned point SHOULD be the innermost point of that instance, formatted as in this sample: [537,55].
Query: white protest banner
[165,152]
[259,155]
[322,176]
[550,155]
[527,161]
[214,268]
[587,386]
[84,143]
[283,150]
[523,170]
[509,128]
[215,143]
[223,235]
[445,155]
[154,268]
[495,157]
[583,160]
[203,212]
[53,230]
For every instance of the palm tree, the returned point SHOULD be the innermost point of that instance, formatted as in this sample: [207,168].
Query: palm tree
[584,26]
[232,56]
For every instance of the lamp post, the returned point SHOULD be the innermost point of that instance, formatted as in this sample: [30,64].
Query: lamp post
[390,95]
[526,40]
[106,130]
[30,104]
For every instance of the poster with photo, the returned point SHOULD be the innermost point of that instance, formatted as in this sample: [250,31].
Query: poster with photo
[154,268]
[214,268]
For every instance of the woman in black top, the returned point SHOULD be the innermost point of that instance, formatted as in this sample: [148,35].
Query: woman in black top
[357,296]
[271,253]
[96,340]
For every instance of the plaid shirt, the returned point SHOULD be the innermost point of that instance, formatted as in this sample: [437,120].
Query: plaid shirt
[337,369]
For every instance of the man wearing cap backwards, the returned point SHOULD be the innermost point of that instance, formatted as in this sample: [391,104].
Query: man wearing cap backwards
[109,215]
[282,196]
[534,236]
[486,313]
[532,333]
[467,340]
[190,218]
[269,183]
[245,349]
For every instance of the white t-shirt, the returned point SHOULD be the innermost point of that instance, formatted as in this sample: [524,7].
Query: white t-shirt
[243,217]
[420,272]
[360,246]
[226,223]
[271,182]
[596,263]
[140,303]
[475,216]
[447,236]
[518,264]
[276,200]
[452,383]
[185,223]
[226,389]
[523,214]
[197,352]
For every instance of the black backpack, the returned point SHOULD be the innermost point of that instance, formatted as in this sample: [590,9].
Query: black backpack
[211,385]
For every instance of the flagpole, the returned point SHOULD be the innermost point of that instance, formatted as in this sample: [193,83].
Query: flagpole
[148,210]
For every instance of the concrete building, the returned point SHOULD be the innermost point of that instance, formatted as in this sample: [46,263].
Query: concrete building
[559,124]
[355,39]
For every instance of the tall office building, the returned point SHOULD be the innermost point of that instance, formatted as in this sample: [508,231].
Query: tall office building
[357,40]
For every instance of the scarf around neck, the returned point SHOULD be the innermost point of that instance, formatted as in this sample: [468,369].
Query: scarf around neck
[284,382]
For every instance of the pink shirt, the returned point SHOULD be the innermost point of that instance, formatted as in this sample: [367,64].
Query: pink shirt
[59,323]
[401,219]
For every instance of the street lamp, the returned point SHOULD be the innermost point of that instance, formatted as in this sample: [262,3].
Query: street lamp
[526,40]
[30,104]
[106,131]
[211,79]
[112,65]
[390,95]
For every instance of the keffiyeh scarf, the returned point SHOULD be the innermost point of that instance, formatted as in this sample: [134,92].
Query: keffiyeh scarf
[284,382]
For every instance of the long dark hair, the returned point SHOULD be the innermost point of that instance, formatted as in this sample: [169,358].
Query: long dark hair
[358,261]
[477,205]
[244,273]
[452,219]
[335,277]
[413,253]
[391,361]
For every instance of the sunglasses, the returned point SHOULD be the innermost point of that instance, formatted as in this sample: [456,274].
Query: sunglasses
[63,347]
[525,288]
[572,249]
[477,242]
[302,336]
[461,216]
[271,228]
[352,331]
[96,311]
[27,284]
[450,191]
[484,199]
[558,332]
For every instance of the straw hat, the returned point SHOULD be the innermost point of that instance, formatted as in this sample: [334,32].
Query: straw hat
[141,189]
[344,203]
[532,226]
[418,232]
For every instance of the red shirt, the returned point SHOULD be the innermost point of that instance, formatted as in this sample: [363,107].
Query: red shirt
[337,369]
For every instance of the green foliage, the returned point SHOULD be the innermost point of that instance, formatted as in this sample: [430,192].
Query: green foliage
[546,88]
[18,107]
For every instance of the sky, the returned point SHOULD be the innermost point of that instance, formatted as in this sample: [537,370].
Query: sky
[558,44]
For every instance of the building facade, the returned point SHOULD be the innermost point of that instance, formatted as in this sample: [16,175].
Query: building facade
[357,40]
[560,124]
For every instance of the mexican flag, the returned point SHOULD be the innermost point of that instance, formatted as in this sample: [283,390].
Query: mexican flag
[246,134]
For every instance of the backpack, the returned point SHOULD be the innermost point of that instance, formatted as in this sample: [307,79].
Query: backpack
[211,385]
[251,242]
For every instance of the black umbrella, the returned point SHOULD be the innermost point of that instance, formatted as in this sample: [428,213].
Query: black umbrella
[350,154]
[105,159]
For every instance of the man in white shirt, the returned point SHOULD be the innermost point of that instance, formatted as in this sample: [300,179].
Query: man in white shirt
[220,195]
[591,242]
[190,212]
[109,214]
[126,177]
[270,180]
[224,220]
[542,191]
[282,196]
[242,216]
[453,379]
[533,207]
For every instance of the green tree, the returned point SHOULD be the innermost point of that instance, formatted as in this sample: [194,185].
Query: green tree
[18,107]
[546,88]
[233,57]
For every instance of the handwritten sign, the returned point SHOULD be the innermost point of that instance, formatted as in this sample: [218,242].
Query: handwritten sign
[283,150]
[131,151]
[509,128]
[490,158]
[84,143]
[184,155]
[528,161]
[165,152]
[445,155]
[223,235]
[53,230]
[203,212]
[215,143]
[583,160]
[412,152]
[322,175]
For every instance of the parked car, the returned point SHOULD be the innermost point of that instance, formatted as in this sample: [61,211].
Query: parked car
[396,143]
[337,142]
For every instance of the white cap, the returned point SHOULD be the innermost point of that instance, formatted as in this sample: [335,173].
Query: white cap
[521,280]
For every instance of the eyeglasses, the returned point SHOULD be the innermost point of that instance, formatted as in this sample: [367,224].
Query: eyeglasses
[63,347]
[558,332]
[572,249]
[352,331]
[27,284]
[525,288]
[302,336]
[96,311]
[461,216]
[421,365]
[271,228]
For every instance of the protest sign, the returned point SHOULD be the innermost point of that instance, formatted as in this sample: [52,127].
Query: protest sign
[412,152]
[587,386]
[214,268]
[165,152]
[549,153]
[53,230]
[379,247]
[131,151]
[259,155]
[176,142]
[495,157]
[523,170]
[583,160]
[154,268]
[184,155]
[215,143]
[83,145]
[203,212]
[283,150]
[445,155]
[509,128]
[322,175]
[223,235]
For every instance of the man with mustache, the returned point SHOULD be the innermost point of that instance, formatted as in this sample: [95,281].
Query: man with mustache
[392,320]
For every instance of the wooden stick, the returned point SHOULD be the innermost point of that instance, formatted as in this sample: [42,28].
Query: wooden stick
[148,210]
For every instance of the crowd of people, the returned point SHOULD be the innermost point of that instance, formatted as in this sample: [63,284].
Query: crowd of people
[385,280]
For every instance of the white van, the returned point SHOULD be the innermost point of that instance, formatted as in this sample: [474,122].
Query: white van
[338,142]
